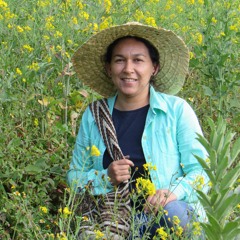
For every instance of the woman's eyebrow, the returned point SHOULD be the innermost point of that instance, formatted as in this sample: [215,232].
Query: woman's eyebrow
[135,55]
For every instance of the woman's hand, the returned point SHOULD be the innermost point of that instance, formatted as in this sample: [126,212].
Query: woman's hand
[159,199]
[120,171]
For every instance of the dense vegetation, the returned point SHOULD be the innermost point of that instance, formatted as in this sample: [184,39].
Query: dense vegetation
[41,102]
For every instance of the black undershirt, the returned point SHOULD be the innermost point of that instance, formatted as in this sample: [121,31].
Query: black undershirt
[129,126]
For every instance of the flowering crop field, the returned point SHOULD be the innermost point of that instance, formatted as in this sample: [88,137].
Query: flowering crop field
[41,99]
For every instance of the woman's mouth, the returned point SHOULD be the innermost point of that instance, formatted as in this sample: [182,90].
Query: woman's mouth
[128,80]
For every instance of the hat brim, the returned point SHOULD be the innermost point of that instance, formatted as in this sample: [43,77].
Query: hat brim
[174,58]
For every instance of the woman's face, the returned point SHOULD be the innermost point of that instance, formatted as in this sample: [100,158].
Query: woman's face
[131,68]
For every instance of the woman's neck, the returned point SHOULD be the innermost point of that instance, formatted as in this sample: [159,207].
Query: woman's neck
[131,103]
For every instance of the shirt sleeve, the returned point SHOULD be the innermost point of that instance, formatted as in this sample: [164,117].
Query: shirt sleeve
[194,175]
[82,172]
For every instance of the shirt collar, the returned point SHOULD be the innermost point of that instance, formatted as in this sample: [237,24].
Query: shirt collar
[156,101]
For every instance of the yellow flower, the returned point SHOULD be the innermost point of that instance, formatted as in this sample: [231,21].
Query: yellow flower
[85,15]
[51,235]
[138,15]
[19,29]
[34,66]
[66,211]
[44,209]
[191,2]
[233,28]
[59,48]
[196,228]
[106,22]
[95,151]
[199,38]
[222,34]
[176,25]
[74,20]
[214,20]
[180,9]
[80,5]
[27,28]
[98,234]
[57,34]
[149,166]
[161,233]
[3,4]
[175,220]
[17,193]
[201,2]
[46,37]
[10,26]
[85,218]
[108,5]
[210,184]
[151,21]
[9,15]
[49,26]
[185,28]
[145,187]
[35,122]
[28,48]
[179,231]
[61,236]
[198,182]
[165,212]
[18,71]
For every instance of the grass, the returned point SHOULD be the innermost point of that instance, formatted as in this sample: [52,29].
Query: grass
[41,99]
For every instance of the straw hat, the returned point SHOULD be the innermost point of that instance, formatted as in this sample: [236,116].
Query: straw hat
[174,57]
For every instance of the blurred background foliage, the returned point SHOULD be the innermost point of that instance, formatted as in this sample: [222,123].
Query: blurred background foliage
[41,98]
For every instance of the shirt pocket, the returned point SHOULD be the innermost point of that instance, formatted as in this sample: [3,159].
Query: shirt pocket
[166,141]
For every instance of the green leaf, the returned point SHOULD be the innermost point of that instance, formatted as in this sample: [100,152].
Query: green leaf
[221,168]
[32,169]
[231,230]
[230,178]
[214,198]
[219,142]
[209,232]
[224,207]
[204,142]
[225,150]
[206,168]
[214,222]
[207,91]
[235,150]
[205,201]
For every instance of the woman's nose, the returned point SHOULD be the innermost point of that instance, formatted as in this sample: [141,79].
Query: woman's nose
[128,67]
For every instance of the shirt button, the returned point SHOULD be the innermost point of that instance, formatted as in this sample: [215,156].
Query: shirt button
[149,157]
[144,137]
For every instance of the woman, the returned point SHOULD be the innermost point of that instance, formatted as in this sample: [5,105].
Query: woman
[139,68]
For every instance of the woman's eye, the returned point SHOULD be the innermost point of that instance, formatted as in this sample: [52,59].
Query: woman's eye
[119,60]
[138,60]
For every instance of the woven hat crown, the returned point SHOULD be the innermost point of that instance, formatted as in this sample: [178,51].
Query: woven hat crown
[174,57]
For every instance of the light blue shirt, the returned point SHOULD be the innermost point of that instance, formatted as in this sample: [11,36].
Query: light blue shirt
[168,141]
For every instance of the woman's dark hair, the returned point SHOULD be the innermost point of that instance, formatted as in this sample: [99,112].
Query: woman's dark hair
[153,52]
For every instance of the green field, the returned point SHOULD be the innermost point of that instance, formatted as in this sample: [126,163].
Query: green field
[41,102]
